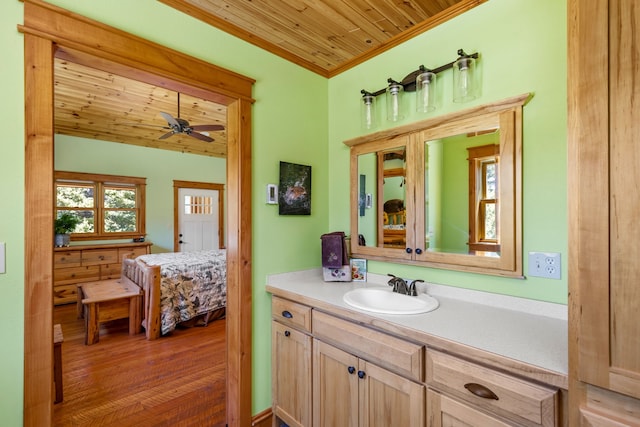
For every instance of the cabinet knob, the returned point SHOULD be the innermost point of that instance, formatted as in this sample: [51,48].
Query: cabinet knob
[481,391]
[287,314]
[418,251]
[351,369]
[287,333]
[361,374]
[408,250]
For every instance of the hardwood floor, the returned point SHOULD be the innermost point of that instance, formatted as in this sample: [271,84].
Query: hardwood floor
[123,380]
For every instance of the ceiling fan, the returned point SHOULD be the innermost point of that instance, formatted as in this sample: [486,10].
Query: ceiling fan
[178,125]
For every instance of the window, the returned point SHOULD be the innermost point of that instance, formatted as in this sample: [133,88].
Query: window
[484,234]
[108,206]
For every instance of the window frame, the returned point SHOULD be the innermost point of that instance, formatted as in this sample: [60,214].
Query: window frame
[478,203]
[100,182]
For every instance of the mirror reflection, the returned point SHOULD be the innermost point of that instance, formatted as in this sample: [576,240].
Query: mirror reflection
[444,192]
[461,194]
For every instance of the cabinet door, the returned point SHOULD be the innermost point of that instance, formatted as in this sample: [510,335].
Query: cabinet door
[291,371]
[335,387]
[604,267]
[447,412]
[387,399]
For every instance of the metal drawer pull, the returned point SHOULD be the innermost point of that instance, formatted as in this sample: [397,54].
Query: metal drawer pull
[481,391]
[351,369]
[361,374]
[287,314]
[287,333]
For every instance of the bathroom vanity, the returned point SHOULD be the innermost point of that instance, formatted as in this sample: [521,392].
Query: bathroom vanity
[478,359]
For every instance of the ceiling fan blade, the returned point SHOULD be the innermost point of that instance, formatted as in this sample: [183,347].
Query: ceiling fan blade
[200,136]
[207,127]
[166,135]
[169,118]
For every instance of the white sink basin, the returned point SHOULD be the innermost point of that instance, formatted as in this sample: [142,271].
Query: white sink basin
[383,300]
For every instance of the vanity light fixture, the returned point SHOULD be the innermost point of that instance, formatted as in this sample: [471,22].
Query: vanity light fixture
[423,82]
[394,95]
[464,78]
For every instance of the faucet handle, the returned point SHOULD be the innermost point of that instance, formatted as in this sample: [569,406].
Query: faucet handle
[412,287]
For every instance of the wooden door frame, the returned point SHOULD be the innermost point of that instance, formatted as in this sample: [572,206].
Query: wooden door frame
[177,185]
[52,31]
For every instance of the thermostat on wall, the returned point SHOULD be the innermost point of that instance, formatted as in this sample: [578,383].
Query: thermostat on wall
[272,194]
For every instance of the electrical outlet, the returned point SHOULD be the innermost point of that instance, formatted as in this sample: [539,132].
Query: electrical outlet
[545,264]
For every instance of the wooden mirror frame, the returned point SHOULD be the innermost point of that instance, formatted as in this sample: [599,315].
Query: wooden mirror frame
[52,31]
[505,114]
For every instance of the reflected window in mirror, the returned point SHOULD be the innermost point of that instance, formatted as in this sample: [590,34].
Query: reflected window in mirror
[484,233]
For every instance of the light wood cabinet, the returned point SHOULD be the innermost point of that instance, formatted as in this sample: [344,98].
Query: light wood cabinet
[428,216]
[329,371]
[603,175]
[447,412]
[497,393]
[352,392]
[88,263]
[291,363]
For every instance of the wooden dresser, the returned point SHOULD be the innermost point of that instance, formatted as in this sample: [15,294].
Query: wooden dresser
[86,263]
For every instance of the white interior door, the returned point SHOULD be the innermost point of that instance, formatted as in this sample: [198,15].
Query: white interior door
[198,219]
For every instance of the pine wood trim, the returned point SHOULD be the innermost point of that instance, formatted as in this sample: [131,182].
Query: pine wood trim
[263,419]
[38,263]
[47,28]
[587,168]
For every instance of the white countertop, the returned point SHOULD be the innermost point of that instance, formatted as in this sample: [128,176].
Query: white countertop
[505,326]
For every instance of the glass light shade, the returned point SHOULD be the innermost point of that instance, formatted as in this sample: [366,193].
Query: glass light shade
[465,87]
[368,111]
[393,95]
[425,92]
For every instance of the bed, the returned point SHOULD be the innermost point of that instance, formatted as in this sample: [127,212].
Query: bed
[177,287]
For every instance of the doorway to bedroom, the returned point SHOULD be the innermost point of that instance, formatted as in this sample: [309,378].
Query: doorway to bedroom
[49,32]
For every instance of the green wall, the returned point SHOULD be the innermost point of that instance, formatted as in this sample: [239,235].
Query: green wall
[289,124]
[523,49]
[160,167]
[302,118]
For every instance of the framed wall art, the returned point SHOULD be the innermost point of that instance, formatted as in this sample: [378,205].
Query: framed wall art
[294,195]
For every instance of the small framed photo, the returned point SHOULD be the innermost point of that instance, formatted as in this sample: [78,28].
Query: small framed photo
[272,194]
[359,270]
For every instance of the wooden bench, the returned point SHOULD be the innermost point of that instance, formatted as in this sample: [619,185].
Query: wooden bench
[58,339]
[105,300]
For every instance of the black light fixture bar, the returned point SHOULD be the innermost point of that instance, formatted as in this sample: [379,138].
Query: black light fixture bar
[409,82]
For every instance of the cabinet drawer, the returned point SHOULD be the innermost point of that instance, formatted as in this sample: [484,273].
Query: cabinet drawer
[67,259]
[110,271]
[65,276]
[519,400]
[131,252]
[99,256]
[291,313]
[395,354]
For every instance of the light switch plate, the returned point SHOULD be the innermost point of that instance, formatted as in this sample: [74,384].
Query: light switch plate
[2,262]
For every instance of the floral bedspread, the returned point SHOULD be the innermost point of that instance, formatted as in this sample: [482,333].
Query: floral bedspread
[192,283]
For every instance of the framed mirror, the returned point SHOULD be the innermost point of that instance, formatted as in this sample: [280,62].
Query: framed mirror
[446,192]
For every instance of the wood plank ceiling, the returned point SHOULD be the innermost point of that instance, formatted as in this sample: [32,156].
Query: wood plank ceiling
[326,37]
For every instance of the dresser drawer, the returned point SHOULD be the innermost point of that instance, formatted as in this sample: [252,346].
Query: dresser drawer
[67,259]
[131,252]
[291,313]
[99,256]
[65,294]
[519,400]
[395,354]
[110,271]
[65,276]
